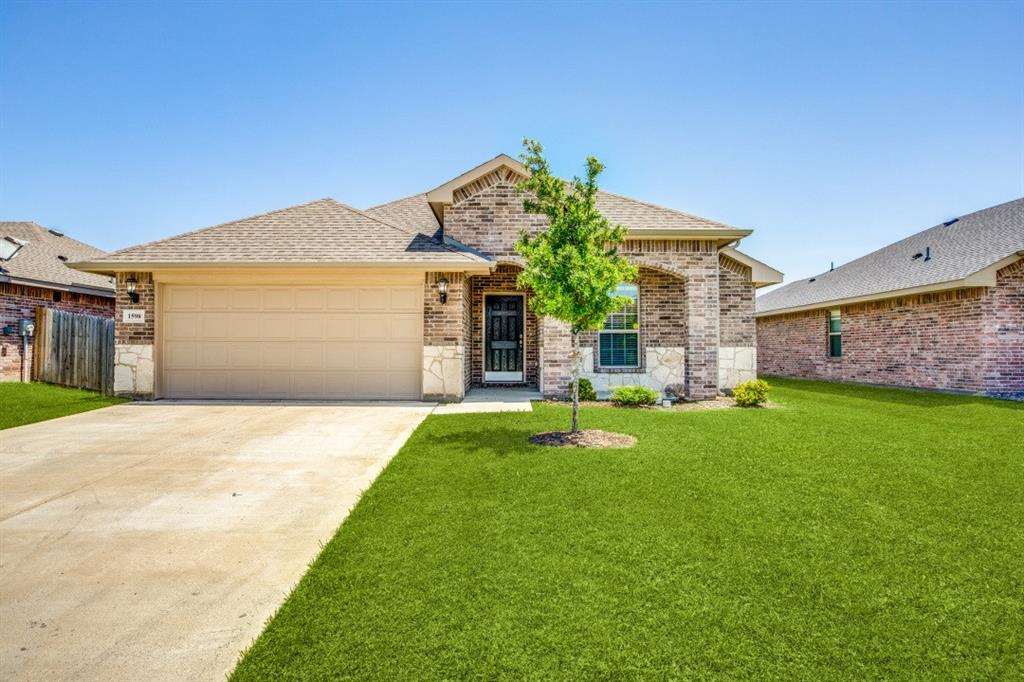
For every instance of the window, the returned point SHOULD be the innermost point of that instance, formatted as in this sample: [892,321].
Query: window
[57,297]
[835,334]
[619,341]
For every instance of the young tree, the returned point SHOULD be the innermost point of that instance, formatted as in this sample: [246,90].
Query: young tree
[573,267]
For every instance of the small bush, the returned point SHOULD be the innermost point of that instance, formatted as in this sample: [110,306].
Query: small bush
[633,396]
[587,391]
[750,393]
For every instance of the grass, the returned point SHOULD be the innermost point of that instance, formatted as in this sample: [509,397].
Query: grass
[854,533]
[28,403]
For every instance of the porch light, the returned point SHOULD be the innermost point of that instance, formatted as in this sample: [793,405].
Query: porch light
[442,288]
[129,285]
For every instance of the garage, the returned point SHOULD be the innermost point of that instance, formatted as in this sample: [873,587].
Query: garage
[330,341]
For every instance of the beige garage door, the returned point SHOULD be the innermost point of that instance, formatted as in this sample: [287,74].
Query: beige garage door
[298,342]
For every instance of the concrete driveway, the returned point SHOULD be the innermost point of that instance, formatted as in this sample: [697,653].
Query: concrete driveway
[153,541]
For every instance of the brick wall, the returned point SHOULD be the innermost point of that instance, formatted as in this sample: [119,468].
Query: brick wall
[1003,333]
[18,302]
[502,280]
[492,220]
[443,325]
[924,341]
[736,304]
[135,334]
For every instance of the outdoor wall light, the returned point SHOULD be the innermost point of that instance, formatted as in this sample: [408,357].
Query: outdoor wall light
[442,288]
[129,286]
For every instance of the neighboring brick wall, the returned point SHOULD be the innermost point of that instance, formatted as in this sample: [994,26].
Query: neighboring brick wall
[443,324]
[924,341]
[1003,329]
[18,302]
[502,280]
[736,304]
[135,334]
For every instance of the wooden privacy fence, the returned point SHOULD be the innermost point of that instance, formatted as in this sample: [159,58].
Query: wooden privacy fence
[74,350]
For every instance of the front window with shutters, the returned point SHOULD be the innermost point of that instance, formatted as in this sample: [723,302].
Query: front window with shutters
[619,339]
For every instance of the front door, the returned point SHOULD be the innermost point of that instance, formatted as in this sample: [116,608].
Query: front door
[503,338]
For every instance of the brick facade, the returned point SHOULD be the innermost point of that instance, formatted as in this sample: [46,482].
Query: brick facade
[962,340]
[502,281]
[492,220]
[19,302]
[736,304]
[136,334]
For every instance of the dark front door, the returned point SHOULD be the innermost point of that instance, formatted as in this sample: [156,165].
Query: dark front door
[503,338]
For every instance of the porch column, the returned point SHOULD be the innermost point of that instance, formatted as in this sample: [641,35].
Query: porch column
[445,337]
[701,369]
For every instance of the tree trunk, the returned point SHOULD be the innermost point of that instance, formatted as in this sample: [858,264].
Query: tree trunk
[575,382]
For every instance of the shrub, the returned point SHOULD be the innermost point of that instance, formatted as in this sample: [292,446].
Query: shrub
[750,393]
[633,396]
[587,391]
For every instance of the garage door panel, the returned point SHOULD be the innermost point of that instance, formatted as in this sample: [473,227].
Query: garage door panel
[334,342]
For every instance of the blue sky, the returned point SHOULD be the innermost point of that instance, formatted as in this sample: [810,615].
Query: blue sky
[831,129]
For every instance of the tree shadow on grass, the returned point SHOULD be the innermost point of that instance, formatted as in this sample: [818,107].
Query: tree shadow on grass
[901,396]
[501,442]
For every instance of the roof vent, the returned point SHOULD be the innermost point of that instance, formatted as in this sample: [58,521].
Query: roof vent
[55,233]
[62,259]
[950,221]
[812,279]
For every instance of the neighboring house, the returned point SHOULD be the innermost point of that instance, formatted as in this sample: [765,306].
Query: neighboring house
[418,299]
[33,274]
[942,309]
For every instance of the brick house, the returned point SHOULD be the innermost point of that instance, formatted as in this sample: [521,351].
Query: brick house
[942,309]
[417,298]
[34,274]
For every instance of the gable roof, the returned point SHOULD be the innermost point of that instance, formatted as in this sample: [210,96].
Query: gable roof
[324,232]
[411,212]
[42,260]
[643,218]
[964,252]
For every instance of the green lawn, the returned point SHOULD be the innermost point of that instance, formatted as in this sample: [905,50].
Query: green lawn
[28,403]
[854,533]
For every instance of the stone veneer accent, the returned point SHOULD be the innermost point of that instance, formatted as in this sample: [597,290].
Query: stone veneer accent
[736,364]
[444,338]
[19,302]
[663,370]
[133,343]
[964,340]
[133,370]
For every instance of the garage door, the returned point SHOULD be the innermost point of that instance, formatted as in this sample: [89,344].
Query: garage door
[297,342]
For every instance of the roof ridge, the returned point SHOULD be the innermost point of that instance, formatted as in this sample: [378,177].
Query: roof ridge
[212,227]
[664,208]
[395,201]
[396,227]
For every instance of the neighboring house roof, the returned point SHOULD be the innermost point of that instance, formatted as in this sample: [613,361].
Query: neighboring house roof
[319,232]
[40,258]
[965,251]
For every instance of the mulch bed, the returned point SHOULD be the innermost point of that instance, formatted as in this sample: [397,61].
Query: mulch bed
[592,438]
[719,403]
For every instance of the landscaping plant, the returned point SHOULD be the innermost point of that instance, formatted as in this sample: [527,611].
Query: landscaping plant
[586,392]
[751,393]
[573,265]
[634,396]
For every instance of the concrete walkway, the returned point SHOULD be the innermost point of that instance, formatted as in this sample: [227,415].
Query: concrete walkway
[492,400]
[153,541]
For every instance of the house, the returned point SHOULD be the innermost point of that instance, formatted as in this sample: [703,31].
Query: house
[34,273]
[418,298]
[941,309]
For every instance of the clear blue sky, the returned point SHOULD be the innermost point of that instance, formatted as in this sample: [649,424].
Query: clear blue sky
[829,128]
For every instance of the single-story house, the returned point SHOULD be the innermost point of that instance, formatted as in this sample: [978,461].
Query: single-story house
[34,274]
[942,309]
[417,298]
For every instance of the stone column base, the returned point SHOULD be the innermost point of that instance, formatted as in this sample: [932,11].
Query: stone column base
[443,377]
[736,364]
[133,370]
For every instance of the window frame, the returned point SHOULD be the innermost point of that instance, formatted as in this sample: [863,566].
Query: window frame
[635,332]
[837,315]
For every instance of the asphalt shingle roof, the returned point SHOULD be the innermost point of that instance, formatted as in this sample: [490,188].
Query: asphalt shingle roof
[411,212]
[957,250]
[40,258]
[322,231]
